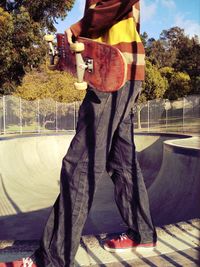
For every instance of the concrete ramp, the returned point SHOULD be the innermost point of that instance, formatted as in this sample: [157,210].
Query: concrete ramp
[175,192]
[29,183]
[29,172]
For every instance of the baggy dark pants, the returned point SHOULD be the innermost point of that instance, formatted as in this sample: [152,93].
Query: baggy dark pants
[103,141]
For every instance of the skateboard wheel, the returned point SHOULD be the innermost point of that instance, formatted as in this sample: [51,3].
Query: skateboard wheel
[77,47]
[80,86]
[49,38]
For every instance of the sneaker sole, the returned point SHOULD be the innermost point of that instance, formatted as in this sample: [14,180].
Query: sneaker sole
[136,249]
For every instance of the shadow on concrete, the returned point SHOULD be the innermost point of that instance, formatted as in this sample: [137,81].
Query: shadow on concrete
[172,179]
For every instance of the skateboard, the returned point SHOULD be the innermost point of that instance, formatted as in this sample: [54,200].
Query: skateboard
[100,65]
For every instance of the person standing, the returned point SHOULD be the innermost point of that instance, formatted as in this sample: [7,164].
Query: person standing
[104,141]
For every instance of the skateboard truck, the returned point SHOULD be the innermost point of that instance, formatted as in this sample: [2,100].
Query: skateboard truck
[52,51]
[81,65]
[91,62]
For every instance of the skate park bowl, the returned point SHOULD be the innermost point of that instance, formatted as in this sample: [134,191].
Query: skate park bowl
[30,170]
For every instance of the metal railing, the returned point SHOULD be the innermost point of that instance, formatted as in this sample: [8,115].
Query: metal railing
[182,115]
[20,116]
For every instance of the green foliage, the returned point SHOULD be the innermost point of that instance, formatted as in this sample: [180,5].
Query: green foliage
[172,68]
[179,86]
[49,84]
[188,60]
[172,38]
[144,38]
[22,27]
[22,48]
[195,85]
[167,72]
[155,85]
[158,55]
[45,85]
[45,12]
[163,52]
[177,57]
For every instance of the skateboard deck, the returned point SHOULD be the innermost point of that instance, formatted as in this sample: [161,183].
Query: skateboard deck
[101,66]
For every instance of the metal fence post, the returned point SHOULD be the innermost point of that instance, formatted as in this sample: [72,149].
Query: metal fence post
[74,115]
[139,108]
[56,117]
[20,115]
[166,119]
[38,114]
[4,115]
[148,111]
[183,113]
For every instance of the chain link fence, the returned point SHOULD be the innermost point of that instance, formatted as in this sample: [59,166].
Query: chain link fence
[182,115]
[20,116]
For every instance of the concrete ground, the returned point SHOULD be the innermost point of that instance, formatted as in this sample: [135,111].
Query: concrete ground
[29,177]
[178,245]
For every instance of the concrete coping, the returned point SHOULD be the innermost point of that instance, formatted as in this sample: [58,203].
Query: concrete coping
[187,146]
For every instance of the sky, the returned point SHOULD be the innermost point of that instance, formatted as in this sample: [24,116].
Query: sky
[156,16]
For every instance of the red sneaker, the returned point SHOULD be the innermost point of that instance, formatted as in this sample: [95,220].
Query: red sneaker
[24,262]
[123,243]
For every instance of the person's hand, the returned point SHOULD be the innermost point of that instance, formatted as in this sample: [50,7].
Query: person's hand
[69,35]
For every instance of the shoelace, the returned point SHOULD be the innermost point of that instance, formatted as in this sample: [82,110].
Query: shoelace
[27,262]
[123,236]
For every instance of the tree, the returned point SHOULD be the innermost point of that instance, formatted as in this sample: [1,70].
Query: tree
[44,83]
[167,72]
[195,85]
[179,83]
[179,52]
[172,37]
[22,27]
[158,55]
[22,48]
[45,12]
[163,52]
[180,86]
[155,85]
[144,38]
[188,60]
